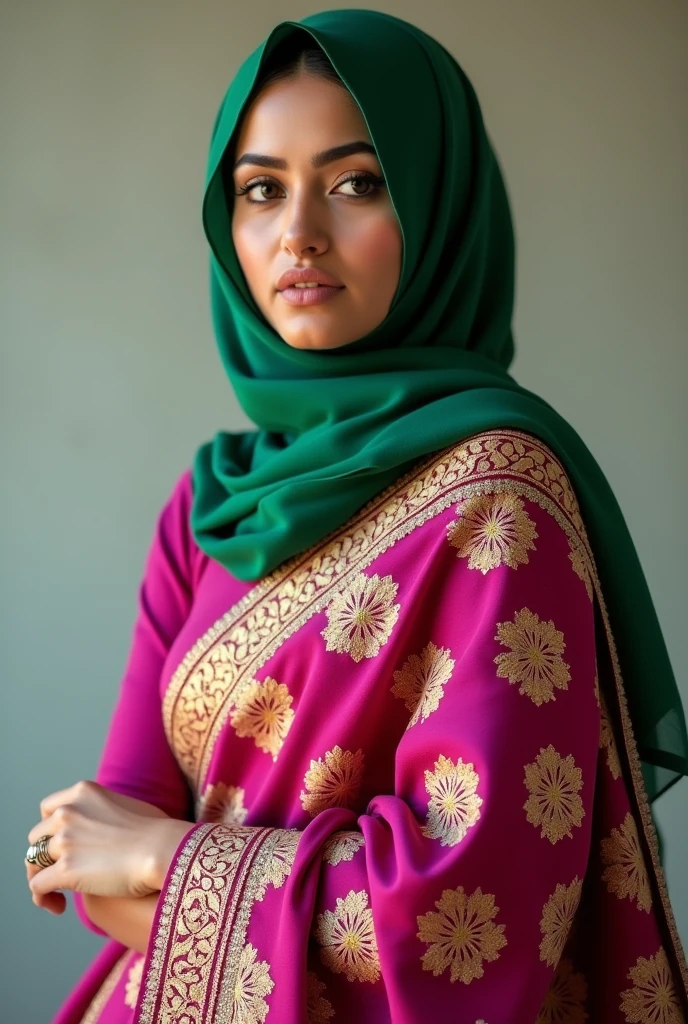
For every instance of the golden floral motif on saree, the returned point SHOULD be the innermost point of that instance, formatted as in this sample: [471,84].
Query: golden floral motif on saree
[109,984]
[554,805]
[608,742]
[625,872]
[341,846]
[347,937]
[566,997]
[461,934]
[361,618]
[491,530]
[204,688]
[222,803]
[454,805]
[557,918]
[252,985]
[319,1010]
[420,681]
[580,560]
[131,989]
[333,781]
[279,868]
[534,659]
[653,998]
[263,711]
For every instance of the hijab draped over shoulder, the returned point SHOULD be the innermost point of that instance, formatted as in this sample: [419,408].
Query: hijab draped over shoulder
[334,428]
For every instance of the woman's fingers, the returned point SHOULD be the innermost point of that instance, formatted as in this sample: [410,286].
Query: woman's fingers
[48,880]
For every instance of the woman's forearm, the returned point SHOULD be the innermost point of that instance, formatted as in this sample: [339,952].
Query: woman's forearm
[127,919]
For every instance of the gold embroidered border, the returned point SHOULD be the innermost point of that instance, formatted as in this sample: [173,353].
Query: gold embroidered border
[206,685]
[194,955]
[97,1004]
[639,791]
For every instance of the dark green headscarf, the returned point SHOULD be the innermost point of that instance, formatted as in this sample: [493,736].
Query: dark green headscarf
[337,427]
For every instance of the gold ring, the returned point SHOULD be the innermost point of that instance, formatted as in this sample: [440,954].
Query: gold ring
[37,853]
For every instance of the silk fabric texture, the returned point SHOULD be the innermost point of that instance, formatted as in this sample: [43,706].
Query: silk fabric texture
[337,427]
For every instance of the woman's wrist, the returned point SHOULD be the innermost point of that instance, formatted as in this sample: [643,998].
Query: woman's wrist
[164,837]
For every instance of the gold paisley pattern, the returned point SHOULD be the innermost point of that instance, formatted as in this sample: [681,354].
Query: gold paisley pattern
[222,803]
[332,782]
[491,530]
[608,742]
[454,805]
[133,984]
[361,618]
[461,934]
[420,682]
[264,713]
[341,846]
[625,871]
[252,985]
[557,918]
[283,854]
[347,937]
[319,1010]
[581,565]
[653,998]
[203,690]
[565,999]
[554,804]
[534,659]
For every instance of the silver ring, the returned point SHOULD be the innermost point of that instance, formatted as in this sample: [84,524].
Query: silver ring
[37,853]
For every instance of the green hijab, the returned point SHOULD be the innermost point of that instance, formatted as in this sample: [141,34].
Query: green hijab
[337,427]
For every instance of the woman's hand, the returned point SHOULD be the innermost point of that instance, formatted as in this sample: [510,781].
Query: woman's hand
[103,843]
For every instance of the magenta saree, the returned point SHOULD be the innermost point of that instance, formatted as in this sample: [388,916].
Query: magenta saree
[407,756]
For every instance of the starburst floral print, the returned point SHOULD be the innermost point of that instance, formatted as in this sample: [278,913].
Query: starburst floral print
[222,803]
[252,984]
[534,659]
[421,680]
[554,804]
[625,871]
[281,862]
[557,918]
[461,934]
[319,1010]
[454,805]
[264,713]
[348,938]
[608,742]
[131,991]
[332,782]
[565,999]
[581,566]
[491,530]
[653,998]
[361,618]
[342,846]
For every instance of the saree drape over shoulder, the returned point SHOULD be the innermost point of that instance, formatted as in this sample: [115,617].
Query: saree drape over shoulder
[411,781]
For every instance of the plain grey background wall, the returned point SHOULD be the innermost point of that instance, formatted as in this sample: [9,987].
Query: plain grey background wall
[110,377]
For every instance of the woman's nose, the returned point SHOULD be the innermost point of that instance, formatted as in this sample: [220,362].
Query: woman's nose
[303,232]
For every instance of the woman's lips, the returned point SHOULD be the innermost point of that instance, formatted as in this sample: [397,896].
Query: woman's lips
[309,296]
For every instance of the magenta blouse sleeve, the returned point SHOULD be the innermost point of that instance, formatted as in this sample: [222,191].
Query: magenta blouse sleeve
[137,760]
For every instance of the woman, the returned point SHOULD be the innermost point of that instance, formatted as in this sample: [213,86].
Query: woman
[397,694]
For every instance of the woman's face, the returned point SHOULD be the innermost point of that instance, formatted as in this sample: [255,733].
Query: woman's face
[309,196]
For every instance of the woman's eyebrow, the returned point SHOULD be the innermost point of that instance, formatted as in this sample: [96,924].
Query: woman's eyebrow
[327,156]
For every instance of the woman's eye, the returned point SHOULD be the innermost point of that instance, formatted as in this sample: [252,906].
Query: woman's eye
[361,185]
[259,191]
